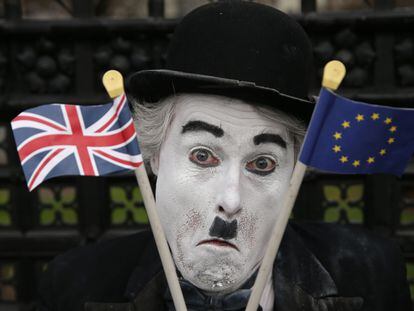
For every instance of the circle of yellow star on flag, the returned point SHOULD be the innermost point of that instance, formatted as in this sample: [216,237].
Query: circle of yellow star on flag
[336,148]
[359,117]
[343,159]
[370,160]
[346,124]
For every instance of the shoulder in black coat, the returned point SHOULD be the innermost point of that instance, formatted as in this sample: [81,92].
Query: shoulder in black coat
[319,267]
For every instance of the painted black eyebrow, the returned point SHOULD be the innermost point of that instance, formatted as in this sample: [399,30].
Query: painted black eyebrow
[195,126]
[269,138]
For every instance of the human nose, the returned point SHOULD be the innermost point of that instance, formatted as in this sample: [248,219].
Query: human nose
[228,202]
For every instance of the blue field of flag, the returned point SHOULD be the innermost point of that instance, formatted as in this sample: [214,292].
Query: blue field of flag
[352,137]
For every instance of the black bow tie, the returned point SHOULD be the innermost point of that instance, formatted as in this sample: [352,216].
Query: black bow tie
[197,301]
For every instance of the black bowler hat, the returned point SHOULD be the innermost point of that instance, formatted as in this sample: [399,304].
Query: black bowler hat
[238,49]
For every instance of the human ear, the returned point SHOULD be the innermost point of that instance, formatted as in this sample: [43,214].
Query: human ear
[154,162]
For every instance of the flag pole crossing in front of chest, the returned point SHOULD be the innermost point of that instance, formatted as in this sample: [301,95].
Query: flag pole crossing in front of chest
[334,72]
[114,85]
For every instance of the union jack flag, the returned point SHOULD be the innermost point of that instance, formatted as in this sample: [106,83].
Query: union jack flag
[59,139]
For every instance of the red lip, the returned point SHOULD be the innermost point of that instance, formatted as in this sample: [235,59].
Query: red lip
[217,242]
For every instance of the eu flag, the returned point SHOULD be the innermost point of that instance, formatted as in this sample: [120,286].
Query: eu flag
[352,137]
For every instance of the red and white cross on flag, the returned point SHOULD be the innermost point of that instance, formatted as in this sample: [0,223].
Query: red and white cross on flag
[60,139]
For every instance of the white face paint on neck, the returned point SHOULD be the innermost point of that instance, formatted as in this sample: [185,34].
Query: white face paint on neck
[221,159]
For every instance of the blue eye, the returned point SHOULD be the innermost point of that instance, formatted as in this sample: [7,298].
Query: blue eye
[261,165]
[203,157]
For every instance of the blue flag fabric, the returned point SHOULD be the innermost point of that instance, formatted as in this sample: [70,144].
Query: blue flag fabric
[352,137]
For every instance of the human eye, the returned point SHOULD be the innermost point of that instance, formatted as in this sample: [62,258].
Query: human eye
[203,157]
[262,165]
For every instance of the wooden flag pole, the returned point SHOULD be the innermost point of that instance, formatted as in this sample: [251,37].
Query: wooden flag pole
[333,74]
[114,84]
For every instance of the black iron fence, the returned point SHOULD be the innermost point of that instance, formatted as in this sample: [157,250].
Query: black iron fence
[43,61]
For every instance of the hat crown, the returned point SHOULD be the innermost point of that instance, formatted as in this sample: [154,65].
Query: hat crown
[244,41]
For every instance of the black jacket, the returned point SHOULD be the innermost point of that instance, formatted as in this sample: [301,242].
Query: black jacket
[319,267]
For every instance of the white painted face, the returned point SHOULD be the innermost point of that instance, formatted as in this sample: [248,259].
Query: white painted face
[221,159]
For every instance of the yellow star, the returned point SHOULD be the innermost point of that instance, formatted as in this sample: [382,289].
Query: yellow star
[346,124]
[356,163]
[375,116]
[388,121]
[391,140]
[383,151]
[359,117]
[343,159]
[336,148]
[371,160]
[337,135]
[393,129]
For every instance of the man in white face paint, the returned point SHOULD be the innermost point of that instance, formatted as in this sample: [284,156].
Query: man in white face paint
[222,170]
[221,128]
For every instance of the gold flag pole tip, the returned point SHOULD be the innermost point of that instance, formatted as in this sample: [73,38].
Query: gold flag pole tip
[333,74]
[113,83]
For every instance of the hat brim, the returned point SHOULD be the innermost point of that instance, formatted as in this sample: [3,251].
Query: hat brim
[152,85]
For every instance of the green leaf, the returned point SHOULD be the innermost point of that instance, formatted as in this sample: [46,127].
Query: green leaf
[136,195]
[3,133]
[355,215]
[118,216]
[331,214]
[3,157]
[46,196]
[332,193]
[7,272]
[47,216]
[140,215]
[354,193]
[69,216]
[4,196]
[68,195]
[118,195]
[407,216]
[410,277]
[5,218]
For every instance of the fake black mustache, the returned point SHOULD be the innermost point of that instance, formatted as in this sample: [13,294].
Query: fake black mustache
[223,229]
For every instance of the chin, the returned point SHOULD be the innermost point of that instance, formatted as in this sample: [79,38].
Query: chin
[215,274]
